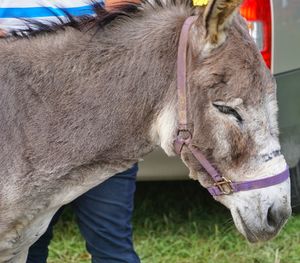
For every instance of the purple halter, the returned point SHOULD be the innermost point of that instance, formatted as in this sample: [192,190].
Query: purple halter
[222,185]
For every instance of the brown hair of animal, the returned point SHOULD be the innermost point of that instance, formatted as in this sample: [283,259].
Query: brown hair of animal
[216,17]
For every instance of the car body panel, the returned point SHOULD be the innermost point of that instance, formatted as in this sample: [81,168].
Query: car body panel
[289,114]
[158,166]
[286,35]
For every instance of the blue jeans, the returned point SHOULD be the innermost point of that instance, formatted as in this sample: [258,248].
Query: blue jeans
[104,218]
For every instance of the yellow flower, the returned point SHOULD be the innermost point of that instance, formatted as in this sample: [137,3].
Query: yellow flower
[200,2]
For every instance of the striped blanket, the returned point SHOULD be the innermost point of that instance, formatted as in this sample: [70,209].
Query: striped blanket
[13,13]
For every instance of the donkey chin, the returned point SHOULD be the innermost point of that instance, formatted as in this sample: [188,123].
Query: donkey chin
[259,214]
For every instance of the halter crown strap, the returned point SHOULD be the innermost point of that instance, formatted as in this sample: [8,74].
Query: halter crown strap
[184,136]
[181,73]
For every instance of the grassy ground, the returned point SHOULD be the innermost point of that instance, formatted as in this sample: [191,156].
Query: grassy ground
[177,222]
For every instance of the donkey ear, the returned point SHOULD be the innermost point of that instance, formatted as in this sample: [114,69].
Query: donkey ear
[217,16]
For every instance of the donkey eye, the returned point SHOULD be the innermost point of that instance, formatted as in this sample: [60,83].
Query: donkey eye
[228,110]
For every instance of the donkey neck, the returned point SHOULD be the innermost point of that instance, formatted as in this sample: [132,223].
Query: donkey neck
[103,89]
[138,59]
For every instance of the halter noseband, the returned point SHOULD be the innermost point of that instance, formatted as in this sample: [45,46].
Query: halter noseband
[222,185]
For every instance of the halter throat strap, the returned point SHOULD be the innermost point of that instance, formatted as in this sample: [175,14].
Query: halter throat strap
[221,185]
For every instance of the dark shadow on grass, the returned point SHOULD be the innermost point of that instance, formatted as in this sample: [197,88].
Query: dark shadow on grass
[175,204]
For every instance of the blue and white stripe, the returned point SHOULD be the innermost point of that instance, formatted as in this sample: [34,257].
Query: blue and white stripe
[13,11]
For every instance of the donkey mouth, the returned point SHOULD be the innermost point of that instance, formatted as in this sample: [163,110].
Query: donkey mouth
[264,233]
[249,235]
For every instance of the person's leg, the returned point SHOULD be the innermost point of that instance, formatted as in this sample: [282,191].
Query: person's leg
[38,252]
[104,217]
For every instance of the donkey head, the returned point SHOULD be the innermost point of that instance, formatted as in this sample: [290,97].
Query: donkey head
[233,110]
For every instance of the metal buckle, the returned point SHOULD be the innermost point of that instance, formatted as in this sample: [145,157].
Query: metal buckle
[224,186]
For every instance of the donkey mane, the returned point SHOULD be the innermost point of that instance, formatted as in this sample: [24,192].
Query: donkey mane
[101,18]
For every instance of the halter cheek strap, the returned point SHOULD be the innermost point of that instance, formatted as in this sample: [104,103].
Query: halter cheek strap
[221,185]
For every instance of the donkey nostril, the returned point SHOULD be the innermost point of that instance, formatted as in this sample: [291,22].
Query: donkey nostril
[271,217]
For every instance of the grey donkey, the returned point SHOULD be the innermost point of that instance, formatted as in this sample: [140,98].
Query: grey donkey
[90,99]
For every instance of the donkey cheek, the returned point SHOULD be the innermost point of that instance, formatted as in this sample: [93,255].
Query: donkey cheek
[240,147]
[193,175]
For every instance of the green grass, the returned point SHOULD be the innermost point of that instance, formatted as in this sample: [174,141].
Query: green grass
[177,222]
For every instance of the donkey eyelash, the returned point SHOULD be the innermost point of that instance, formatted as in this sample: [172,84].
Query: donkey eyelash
[228,110]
